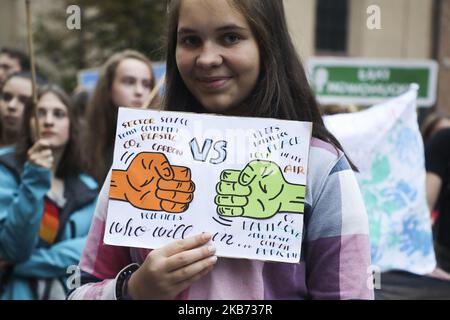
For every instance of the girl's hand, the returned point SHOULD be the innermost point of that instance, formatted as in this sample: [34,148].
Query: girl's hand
[167,271]
[41,155]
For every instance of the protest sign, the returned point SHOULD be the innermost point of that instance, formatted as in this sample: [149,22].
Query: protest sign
[243,180]
[385,144]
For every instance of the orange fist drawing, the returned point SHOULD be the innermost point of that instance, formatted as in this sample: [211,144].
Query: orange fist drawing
[151,183]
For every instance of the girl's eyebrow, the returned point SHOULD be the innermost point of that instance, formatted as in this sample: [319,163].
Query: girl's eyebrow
[231,27]
[128,77]
[185,30]
[228,27]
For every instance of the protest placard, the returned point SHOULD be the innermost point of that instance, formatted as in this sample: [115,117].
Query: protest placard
[241,179]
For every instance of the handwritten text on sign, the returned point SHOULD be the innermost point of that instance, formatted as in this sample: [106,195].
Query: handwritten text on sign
[243,180]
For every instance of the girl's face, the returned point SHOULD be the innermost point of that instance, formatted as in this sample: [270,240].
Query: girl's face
[53,120]
[217,54]
[8,65]
[12,103]
[132,84]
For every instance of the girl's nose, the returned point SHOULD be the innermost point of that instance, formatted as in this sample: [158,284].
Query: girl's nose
[139,89]
[12,104]
[48,120]
[209,56]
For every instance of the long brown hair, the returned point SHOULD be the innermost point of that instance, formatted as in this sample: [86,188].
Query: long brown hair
[282,90]
[24,75]
[101,115]
[71,163]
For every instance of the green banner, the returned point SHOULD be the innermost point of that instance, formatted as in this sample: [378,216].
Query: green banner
[365,81]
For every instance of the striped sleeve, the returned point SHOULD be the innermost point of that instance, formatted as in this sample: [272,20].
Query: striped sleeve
[337,240]
[100,263]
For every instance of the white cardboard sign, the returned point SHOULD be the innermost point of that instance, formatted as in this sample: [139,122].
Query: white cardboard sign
[243,180]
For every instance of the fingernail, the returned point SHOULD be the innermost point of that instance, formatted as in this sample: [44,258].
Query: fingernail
[206,236]
[211,249]
[213,259]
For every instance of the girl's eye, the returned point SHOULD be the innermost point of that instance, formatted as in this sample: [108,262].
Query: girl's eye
[128,80]
[59,114]
[146,84]
[191,41]
[41,113]
[231,38]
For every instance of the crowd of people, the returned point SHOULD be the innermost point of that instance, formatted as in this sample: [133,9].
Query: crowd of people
[222,58]
[49,187]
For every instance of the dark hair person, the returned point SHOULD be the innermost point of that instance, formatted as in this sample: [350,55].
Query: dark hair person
[235,57]
[12,61]
[46,203]
[16,93]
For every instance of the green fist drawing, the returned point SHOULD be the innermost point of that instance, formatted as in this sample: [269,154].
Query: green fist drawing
[259,192]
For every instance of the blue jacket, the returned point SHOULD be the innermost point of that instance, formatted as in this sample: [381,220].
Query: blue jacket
[22,192]
[6,149]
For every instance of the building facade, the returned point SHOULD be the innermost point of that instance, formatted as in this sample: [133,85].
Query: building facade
[408,29]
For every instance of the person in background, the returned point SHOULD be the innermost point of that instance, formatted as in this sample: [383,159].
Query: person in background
[80,99]
[46,202]
[126,80]
[12,61]
[16,94]
[437,162]
[434,122]
[431,125]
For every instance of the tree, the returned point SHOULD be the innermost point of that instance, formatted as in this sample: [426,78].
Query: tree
[106,27]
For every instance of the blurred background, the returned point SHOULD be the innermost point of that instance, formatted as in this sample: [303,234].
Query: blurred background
[410,29]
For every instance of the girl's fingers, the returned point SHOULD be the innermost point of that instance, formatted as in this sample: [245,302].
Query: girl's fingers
[40,150]
[45,164]
[45,153]
[191,270]
[189,258]
[183,285]
[184,245]
[43,158]
[40,145]
[176,265]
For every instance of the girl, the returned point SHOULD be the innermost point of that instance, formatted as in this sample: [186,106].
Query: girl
[16,92]
[46,205]
[235,57]
[126,80]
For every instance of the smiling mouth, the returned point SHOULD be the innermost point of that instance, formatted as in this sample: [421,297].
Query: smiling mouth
[137,104]
[214,83]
